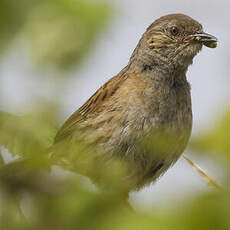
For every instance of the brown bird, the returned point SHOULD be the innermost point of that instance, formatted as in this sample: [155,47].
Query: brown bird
[142,117]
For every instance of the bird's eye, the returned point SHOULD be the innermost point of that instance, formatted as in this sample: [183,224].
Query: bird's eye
[174,30]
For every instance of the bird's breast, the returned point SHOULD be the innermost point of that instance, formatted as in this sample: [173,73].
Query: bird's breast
[153,134]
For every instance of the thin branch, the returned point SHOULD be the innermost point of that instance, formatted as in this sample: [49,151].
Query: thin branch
[1,158]
[21,215]
[208,179]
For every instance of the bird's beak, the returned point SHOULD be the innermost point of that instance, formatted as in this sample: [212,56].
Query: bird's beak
[204,38]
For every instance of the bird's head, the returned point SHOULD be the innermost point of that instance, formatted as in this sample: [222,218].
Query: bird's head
[174,40]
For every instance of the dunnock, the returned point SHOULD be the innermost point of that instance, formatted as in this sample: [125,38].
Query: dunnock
[142,117]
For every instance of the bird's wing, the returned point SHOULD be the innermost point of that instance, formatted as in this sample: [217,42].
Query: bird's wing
[92,105]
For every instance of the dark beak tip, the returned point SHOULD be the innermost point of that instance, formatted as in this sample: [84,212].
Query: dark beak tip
[206,39]
[209,40]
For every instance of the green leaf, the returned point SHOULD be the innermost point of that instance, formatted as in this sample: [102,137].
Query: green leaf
[29,134]
[217,140]
[61,32]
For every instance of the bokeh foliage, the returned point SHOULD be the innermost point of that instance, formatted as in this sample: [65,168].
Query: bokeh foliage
[217,139]
[28,134]
[215,142]
[60,33]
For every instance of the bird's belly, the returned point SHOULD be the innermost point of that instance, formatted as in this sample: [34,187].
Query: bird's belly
[152,144]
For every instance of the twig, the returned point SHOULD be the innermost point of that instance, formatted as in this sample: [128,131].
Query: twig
[208,179]
[21,215]
[1,158]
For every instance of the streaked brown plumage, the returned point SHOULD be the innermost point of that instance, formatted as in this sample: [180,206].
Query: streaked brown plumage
[143,116]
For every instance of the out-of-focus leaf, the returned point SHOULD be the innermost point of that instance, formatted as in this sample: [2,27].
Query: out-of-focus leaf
[75,207]
[66,204]
[217,140]
[29,134]
[1,159]
[208,211]
[13,15]
[61,32]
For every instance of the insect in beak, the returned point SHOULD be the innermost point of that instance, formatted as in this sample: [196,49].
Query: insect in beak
[204,38]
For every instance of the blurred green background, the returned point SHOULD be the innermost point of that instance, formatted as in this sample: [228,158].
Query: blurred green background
[56,38]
